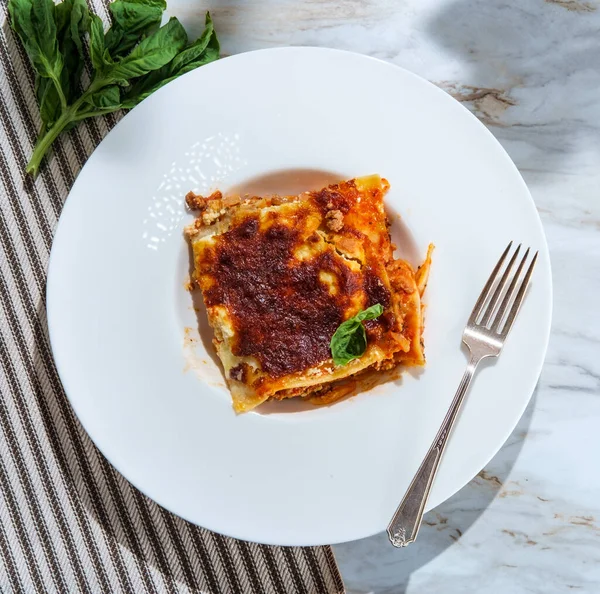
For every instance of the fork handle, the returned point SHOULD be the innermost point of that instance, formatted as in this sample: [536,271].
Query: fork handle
[405,524]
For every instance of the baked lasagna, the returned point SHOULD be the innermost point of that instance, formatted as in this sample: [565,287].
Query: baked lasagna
[279,275]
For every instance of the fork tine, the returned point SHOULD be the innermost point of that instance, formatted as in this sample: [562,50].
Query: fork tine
[488,287]
[500,286]
[511,288]
[518,299]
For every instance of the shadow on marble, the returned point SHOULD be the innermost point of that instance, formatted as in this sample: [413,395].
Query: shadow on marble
[519,77]
[373,565]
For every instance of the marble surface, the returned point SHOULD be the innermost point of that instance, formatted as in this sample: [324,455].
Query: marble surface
[530,70]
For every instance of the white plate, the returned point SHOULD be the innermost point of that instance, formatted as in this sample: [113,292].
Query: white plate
[156,405]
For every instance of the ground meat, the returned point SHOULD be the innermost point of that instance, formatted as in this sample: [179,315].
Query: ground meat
[334,220]
[195,201]
[198,202]
[401,276]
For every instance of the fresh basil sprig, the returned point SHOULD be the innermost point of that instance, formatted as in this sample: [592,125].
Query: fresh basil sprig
[134,58]
[350,339]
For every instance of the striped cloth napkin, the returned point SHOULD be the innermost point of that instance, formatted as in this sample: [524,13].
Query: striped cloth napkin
[68,521]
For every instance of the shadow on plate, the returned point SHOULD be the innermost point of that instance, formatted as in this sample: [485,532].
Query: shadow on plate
[286,182]
[372,565]
[403,239]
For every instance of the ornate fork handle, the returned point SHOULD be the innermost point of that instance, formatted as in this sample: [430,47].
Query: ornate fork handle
[405,524]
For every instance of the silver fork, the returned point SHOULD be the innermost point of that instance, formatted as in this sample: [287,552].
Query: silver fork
[484,335]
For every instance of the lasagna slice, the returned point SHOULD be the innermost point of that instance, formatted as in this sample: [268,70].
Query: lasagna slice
[280,274]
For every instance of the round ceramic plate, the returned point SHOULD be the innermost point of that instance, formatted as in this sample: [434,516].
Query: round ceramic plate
[135,357]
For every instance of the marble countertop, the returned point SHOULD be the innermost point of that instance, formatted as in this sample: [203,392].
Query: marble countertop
[530,70]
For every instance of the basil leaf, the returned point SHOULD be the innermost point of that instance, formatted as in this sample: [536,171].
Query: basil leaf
[98,52]
[350,339]
[72,23]
[43,18]
[132,21]
[134,58]
[62,15]
[370,313]
[349,342]
[33,20]
[49,102]
[151,53]
[107,98]
[204,50]
[80,18]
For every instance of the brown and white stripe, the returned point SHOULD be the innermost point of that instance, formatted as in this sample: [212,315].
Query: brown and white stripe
[68,521]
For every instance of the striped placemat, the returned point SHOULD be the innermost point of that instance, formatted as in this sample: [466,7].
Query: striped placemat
[68,521]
